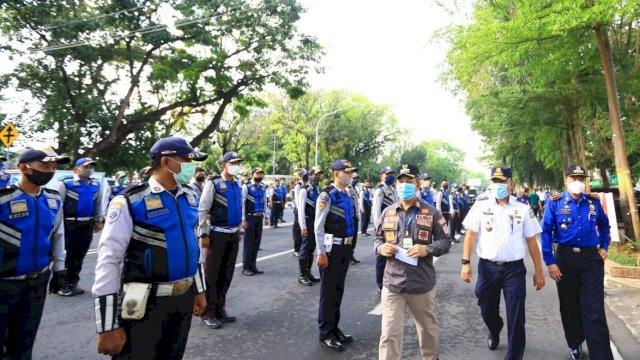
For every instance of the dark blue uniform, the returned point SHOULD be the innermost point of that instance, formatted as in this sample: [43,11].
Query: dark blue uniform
[455,214]
[31,238]
[426,195]
[254,205]
[367,202]
[5,180]
[278,198]
[579,227]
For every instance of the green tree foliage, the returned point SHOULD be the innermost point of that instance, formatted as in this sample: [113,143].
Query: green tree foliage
[112,74]
[438,159]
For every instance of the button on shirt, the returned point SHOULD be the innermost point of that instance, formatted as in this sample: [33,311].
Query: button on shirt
[502,230]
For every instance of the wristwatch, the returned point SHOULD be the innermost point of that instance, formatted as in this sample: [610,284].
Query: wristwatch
[465,262]
[429,249]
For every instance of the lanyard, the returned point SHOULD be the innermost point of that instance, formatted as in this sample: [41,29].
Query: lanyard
[407,223]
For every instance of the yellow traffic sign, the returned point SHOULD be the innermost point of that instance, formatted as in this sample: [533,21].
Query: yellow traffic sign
[9,134]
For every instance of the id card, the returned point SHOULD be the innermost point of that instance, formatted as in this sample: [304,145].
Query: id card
[407,242]
[328,242]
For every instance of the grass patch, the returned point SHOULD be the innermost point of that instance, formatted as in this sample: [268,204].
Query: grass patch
[624,256]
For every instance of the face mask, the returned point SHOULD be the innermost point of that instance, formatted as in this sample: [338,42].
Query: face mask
[200,178]
[313,181]
[354,182]
[576,187]
[233,170]
[500,191]
[38,178]
[345,179]
[86,172]
[426,184]
[121,181]
[406,191]
[305,178]
[389,180]
[187,170]
[258,180]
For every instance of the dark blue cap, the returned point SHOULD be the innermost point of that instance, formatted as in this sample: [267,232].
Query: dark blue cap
[407,170]
[386,169]
[315,170]
[501,173]
[175,146]
[231,156]
[46,155]
[342,165]
[424,176]
[576,170]
[302,172]
[85,161]
[256,169]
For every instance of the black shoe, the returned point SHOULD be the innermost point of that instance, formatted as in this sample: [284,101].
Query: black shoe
[332,343]
[313,278]
[66,292]
[354,261]
[226,319]
[77,290]
[576,354]
[257,272]
[296,254]
[212,323]
[493,341]
[345,339]
[303,279]
[248,272]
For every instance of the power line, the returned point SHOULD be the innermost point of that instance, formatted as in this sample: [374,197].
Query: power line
[83,20]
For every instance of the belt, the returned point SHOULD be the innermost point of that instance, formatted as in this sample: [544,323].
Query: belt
[79,219]
[343,241]
[29,276]
[256,214]
[169,289]
[225,230]
[500,263]
[577,249]
[277,202]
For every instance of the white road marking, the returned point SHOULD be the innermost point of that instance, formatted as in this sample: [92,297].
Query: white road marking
[614,350]
[270,256]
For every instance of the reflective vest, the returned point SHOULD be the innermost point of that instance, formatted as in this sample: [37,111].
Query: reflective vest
[5,180]
[310,201]
[255,198]
[80,200]
[387,199]
[426,195]
[367,198]
[341,218]
[444,204]
[26,230]
[227,203]
[164,246]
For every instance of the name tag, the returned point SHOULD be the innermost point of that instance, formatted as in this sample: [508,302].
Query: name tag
[52,203]
[156,213]
[328,242]
[407,242]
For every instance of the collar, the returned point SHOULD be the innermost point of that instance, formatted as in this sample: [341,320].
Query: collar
[416,203]
[567,198]
[156,188]
[40,190]
[76,177]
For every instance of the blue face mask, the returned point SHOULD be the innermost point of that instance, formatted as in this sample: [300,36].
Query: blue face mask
[1,165]
[389,180]
[406,191]
[500,191]
[354,183]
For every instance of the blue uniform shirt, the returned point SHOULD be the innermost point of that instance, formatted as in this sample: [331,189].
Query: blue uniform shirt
[576,223]
[426,195]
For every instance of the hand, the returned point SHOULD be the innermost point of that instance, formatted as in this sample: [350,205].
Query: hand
[538,279]
[205,241]
[418,251]
[245,225]
[97,227]
[554,272]
[322,261]
[466,273]
[112,342]
[304,232]
[388,250]
[199,304]
[603,254]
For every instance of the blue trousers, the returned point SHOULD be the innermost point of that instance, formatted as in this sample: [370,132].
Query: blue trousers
[308,243]
[581,294]
[252,238]
[509,278]
[332,288]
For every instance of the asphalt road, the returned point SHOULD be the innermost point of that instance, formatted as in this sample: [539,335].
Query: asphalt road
[277,318]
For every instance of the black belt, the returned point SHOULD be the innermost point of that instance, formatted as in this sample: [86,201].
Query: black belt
[500,263]
[577,249]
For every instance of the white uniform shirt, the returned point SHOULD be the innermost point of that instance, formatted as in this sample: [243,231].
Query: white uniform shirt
[502,230]
[542,195]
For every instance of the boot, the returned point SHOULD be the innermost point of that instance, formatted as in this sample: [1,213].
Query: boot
[303,276]
[309,274]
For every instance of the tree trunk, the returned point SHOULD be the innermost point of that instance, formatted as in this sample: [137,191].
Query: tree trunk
[627,199]
[603,174]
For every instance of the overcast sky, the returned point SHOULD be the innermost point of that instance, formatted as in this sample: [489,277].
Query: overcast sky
[383,50]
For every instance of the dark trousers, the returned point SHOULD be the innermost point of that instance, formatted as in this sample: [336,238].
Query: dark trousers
[355,233]
[463,214]
[163,331]
[252,238]
[21,304]
[581,294]
[453,224]
[275,214]
[297,236]
[77,236]
[282,211]
[510,278]
[365,220]
[219,266]
[308,243]
[332,289]
[381,262]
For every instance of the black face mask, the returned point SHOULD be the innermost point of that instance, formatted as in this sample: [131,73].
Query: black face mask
[305,178]
[257,180]
[200,179]
[39,178]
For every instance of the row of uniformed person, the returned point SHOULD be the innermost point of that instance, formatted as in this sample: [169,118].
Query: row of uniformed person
[384,196]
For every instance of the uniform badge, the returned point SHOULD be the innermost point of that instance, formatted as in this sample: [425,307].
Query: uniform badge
[253,188]
[442,221]
[423,235]
[564,226]
[389,236]
[18,206]
[389,225]
[515,211]
[392,212]
[488,227]
[322,205]
[153,202]
[115,208]
[223,186]
[157,189]
[592,207]
[191,200]
[424,211]
[52,203]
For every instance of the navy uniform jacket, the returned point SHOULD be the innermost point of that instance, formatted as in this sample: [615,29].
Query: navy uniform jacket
[582,223]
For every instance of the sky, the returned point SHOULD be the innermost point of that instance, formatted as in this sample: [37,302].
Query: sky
[384,50]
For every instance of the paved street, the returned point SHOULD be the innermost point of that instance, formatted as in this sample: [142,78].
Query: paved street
[277,317]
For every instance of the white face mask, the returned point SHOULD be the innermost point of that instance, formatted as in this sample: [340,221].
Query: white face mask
[345,179]
[233,170]
[576,187]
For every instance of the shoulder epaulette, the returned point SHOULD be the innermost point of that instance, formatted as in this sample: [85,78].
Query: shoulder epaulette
[594,196]
[482,198]
[380,186]
[7,190]
[329,188]
[555,197]
[51,191]
[187,189]
[132,190]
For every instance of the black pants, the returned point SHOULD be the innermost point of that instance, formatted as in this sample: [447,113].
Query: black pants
[381,263]
[355,233]
[275,214]
[297,236]
[308,243]
[510,279]
[219,266]
[21,305]
[163,331]
[365,220]
[453,224]
[463,214]
[581,294]
[332,289]
[77,236]
[252,238]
